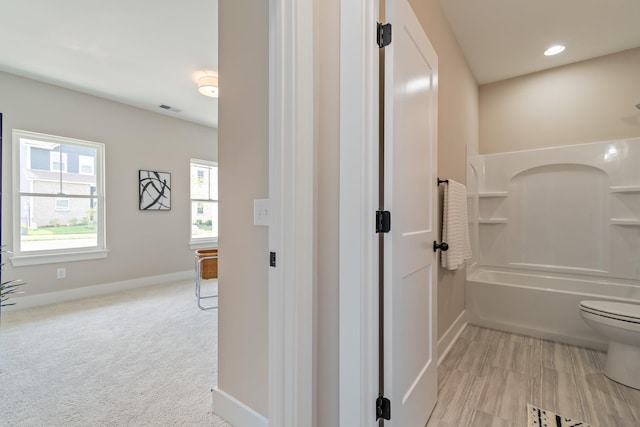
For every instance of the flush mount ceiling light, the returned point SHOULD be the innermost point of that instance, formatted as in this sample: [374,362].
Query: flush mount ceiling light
[208,86]
[554,50]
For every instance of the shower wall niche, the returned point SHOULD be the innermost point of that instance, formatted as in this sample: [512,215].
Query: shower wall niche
[570,209]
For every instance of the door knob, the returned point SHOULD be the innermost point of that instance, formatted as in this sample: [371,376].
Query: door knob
[442,246]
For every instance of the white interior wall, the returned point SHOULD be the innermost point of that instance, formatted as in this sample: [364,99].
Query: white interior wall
[141,243]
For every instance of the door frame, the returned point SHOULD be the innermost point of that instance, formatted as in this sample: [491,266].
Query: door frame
[358,259]
[291,174]
[291,232]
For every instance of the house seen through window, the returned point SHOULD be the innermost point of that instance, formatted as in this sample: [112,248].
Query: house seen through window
[58,195]
[204,201]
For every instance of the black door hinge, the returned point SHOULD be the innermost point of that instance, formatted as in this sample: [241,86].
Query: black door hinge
[383,221]
[272,259]
[384,35]
[383,408]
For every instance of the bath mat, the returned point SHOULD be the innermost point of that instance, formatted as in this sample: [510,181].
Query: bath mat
[542,418]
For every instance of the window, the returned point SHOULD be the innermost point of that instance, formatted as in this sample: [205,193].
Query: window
[58,161]
[204,202]
[58,201]
[62,205]
[85,165]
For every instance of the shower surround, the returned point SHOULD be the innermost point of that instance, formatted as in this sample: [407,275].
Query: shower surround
[551,227]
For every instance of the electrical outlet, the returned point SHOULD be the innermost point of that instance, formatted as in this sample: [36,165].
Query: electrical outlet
[61,273]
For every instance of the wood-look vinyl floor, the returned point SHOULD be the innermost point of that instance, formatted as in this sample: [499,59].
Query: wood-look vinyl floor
[489,376]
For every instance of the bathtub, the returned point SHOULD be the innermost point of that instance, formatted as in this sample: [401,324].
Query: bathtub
[540,304]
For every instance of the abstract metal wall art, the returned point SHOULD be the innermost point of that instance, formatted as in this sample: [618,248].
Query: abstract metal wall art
[155,191]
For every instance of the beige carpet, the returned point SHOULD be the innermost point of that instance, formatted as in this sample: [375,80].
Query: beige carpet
[145,357]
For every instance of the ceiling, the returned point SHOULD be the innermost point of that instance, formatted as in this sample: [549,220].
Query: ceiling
[148,53]
[144,53]
[506,38]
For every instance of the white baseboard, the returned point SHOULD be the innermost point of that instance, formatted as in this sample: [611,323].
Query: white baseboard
[37,300]
[235,412]
[451,336]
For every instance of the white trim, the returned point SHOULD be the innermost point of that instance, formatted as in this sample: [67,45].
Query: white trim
[29,301]
[276,275]
[202,162]
[358,276]
[54,258]
[234,411]
[204,243]
[291,231]
[451,336]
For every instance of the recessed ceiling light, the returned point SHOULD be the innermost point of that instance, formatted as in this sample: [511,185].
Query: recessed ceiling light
[554,50]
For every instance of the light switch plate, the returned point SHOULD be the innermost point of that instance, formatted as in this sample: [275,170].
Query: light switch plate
[261,212]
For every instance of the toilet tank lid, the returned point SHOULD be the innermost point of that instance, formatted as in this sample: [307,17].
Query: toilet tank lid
[615,308]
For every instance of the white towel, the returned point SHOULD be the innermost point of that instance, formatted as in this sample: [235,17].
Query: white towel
[455,227]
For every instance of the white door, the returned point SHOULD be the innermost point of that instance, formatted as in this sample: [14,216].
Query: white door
[410,334]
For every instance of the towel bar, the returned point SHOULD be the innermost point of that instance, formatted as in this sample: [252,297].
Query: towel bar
[443,181]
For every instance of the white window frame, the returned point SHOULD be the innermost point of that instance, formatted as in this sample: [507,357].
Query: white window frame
[202,242]
[98,251]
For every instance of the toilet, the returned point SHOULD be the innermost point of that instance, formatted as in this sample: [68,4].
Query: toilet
[620,323]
